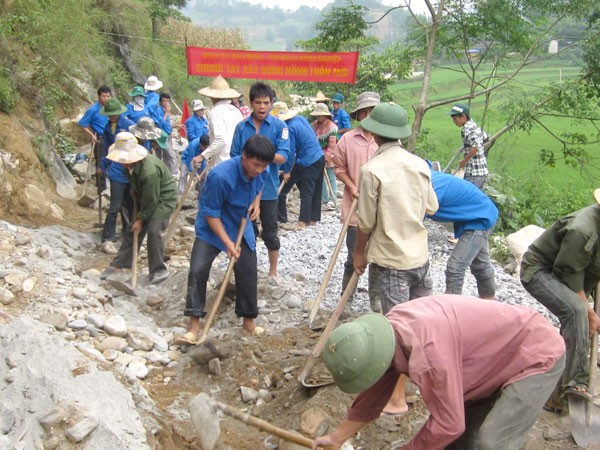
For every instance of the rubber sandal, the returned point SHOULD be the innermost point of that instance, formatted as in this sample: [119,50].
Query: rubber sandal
[188,338]
[580,391]
[391,414]
[256,332]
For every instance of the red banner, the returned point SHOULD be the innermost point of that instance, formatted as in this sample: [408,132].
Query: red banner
[339,67]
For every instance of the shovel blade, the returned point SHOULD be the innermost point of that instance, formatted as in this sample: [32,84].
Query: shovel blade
[121,286]
[86,201]
[585,421]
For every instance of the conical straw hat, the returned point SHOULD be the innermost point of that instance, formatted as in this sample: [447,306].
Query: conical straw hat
[219,88]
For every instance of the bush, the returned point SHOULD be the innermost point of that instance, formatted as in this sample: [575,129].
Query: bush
[7,96]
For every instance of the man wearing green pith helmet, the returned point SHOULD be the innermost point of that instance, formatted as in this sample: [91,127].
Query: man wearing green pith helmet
[484,382]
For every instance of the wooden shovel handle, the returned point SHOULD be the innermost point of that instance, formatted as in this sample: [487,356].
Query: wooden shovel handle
[332,261]
[134,256]
[268,427]
[213,312]
[330,325]
[190,182]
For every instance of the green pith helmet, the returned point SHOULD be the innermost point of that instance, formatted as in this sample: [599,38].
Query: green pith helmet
[113,108]
[137,91]
[358,353]
[162,140]
[387,120]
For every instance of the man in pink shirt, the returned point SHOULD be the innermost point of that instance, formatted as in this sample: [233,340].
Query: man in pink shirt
[353,150]
[483,381]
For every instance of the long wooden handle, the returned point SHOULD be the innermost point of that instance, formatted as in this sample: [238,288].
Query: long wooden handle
[134,256]
[332,261]
[281,185]
[330,325]
[190,182]
[213,312]
[329,187]
[268,427]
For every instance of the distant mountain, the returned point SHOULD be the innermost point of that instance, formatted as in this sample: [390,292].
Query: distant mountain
[276,29]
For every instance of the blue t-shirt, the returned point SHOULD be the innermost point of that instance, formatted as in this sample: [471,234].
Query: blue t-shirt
[113,170]
[463,203]
[227,195]
[195,127]
[193,149]
[341,119]
[93,119]
[274,129]
[304,145]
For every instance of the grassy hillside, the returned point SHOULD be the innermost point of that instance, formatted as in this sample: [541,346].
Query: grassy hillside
[539,193]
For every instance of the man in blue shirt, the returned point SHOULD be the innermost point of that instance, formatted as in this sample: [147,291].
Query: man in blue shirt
[474,216]
[261,122]
[93,123]
[120,197]
[339,115]
[232,193]
[152,85]
[162,118]
[307,170]
[196,125]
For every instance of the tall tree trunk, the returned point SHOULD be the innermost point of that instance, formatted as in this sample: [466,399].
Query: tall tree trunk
[422,106]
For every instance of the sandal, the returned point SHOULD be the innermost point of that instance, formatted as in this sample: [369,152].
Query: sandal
[188,338]
[581,391]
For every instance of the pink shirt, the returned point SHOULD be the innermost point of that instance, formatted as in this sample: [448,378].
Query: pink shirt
[353,150]
[458,348]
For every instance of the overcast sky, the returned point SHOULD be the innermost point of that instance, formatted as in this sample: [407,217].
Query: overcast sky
[293,5]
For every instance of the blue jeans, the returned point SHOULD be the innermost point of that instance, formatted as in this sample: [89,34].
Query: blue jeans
[390,287]
[571,312]
[472,251]
[120,202]
[325,197]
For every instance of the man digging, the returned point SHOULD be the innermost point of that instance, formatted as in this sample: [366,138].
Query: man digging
[231,193]
[484,370]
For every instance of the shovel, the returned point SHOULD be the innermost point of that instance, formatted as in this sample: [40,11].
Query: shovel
[190,182]
[336,252]
[86,201]
[213,312]
[312,359]
[205,420]
[585,415]
[330,188]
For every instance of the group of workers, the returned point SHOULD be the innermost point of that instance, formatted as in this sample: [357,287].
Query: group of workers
[484,369]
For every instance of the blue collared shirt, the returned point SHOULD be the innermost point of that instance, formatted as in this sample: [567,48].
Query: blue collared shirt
[192,150]
[463,203]
[304,145]
[134,115]
[341,119]
[93,119]
[152,99]
[195,127]
[227,195]
[158,115]
[274,129]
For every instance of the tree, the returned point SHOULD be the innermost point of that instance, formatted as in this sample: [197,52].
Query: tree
[344,29]
[161,10]
[498,28]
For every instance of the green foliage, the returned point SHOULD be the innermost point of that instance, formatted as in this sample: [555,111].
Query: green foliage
[7,93]
[340,29]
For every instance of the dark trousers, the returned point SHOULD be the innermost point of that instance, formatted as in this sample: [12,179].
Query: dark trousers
[310,181]
[99,153]
[120,202]
[203,255]
[268,221]
[156,246]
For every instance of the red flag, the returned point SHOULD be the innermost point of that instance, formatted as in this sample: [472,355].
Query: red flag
[185,115]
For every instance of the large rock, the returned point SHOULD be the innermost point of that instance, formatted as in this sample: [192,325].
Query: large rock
[519,241]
